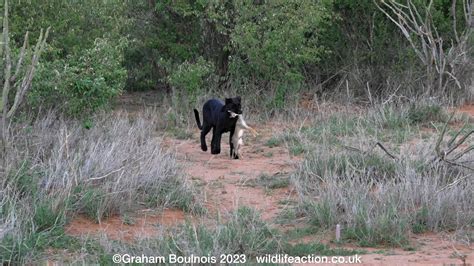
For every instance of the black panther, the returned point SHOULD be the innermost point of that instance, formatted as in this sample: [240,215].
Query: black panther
[216,116]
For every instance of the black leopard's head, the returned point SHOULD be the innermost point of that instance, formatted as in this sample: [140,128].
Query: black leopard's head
[233,105]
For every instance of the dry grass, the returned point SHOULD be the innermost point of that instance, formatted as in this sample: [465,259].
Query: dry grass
[57,168]
[345,179]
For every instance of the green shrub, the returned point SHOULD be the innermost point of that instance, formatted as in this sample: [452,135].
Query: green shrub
[389,228]
[321,214]
[391,119]
[25,181]
[84,82]
[13,251]
[244,232]
[273,142]
[367,167]
[424,114]
[94,204]
[171,192]
[191,77]
[45,217]
[419,225]
[273,42]
[18,249]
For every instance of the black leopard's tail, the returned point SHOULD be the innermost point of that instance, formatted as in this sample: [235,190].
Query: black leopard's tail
[198,122]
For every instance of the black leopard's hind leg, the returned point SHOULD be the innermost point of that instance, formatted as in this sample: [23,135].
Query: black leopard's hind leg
[204,131]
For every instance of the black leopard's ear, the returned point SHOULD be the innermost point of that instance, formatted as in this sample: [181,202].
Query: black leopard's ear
[228,100]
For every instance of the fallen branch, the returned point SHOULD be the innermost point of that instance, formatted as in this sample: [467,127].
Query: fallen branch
[386,151]
[367,152]
[106,175]
[458,164]
[454,183]
[461,141]
[442,155]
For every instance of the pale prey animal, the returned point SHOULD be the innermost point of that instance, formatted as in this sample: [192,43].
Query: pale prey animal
[237,140]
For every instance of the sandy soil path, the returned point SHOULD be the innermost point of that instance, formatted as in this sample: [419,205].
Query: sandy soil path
[228,184]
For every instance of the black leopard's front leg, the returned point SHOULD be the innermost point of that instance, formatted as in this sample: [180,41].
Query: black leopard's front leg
[216,141]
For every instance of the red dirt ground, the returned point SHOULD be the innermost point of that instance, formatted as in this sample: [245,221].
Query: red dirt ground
[145,223]
[225,181]
[430,249]
[467,109]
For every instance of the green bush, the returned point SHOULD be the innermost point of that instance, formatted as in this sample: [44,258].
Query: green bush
[21,249]
[424,114]
[191,77]
[420,225]
[388,227]
[83,82]
[243,232]
[350,165]
[274,41]
[321,214]
[25,182]
[45,217]
[94,204]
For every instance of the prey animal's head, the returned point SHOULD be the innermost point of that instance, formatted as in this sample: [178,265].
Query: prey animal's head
[232,114]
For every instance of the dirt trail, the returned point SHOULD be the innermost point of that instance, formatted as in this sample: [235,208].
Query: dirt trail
[228,184]
[145,224]
[467,109]
[429,249]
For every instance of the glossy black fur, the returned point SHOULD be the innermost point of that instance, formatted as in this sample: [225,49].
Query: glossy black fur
[216,117]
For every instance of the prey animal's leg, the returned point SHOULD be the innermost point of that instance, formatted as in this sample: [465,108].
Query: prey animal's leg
[238,147]
[233,149]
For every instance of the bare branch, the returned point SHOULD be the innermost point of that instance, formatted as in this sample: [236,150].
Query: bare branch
[421,33]
[8,67]
[375,145]
[453,13]
[461,154]
[461,141]
[454,182]
[441,136]
[467,7]
[458,164]
[386,151]
[402,24]
[28,78]
[20,59]
[451,141]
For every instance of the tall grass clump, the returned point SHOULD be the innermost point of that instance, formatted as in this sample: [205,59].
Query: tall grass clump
[57,169]
[243,232]
[382,201]
[379,186]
